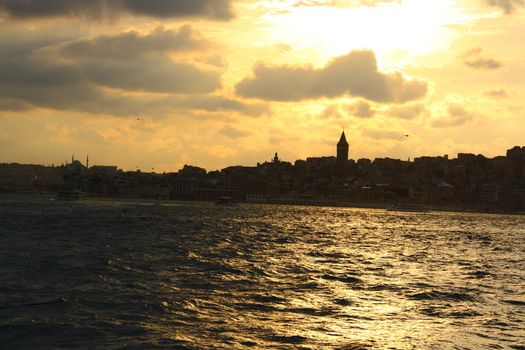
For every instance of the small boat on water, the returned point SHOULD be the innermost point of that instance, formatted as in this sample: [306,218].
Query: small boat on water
[225,201]
[420,208]
[69,195]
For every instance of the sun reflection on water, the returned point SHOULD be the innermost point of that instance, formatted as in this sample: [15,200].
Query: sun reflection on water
[281,277]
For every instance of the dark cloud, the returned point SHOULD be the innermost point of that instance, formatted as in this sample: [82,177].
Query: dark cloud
[11,104]
[214,9]
[94,100]
[131,61]
[509,6]
[126,74]
[132,44]
[474,58]
[355,74]
[128,62]
[53,8]
[217,9]
[156,75]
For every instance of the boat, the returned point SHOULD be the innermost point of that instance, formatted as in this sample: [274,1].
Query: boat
[69,195]
[225,201]
[420,208]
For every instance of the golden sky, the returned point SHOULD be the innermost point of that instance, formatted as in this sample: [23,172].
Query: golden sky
[156,84]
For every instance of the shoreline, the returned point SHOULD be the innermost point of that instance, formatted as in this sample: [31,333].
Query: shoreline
[324,204]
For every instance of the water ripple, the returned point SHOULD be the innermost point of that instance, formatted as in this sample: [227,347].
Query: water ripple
[195,276]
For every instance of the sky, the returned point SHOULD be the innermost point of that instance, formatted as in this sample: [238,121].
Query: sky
[157,84]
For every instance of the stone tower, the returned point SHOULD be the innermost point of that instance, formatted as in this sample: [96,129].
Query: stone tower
[342,149]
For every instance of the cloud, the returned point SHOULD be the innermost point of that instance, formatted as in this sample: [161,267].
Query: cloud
[233,133]
[217,9]
[456,114]
[408,112]
[128,62]
[361,109]
[91,99]
[12,104]
[136,62]
[123,74]
[497,94]
[132,44]
[216,61]
[215,104]
[331,111]
[96,9]
[474,59]
[283,47]
[509,6]
[355,74]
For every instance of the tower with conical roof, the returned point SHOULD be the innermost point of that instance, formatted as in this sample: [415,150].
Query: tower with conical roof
[342,149]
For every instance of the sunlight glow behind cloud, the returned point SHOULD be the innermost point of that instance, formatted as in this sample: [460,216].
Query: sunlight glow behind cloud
[222,82]
[414,26]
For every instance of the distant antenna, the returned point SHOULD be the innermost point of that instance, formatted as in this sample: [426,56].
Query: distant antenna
[87,161]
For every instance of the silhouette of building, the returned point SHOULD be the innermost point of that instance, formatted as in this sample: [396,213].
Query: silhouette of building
[470,181]
[516,168]
[516,153]
[342,149]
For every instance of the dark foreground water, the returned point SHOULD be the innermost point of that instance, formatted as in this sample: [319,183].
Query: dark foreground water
[111,275]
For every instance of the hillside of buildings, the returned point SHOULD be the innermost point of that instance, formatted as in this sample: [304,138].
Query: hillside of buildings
[469,181]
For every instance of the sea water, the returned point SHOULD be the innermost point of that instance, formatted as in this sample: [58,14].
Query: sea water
[132,275]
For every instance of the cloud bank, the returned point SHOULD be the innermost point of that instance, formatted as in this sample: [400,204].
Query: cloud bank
[123,74]
[355,74]
[95,9]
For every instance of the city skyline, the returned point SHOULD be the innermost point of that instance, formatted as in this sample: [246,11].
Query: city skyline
[218,83]
[468,182]
[340,155]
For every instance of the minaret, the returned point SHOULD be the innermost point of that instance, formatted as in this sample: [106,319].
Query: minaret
[342,149]
[87,162]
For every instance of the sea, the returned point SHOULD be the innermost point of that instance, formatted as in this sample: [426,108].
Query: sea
[173,275]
